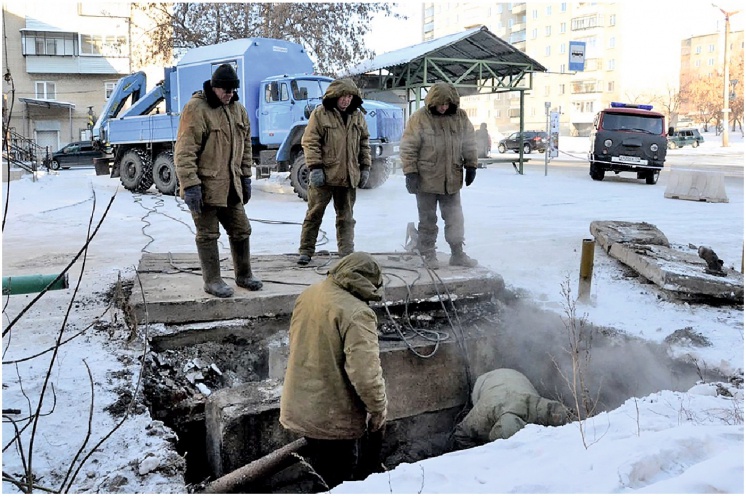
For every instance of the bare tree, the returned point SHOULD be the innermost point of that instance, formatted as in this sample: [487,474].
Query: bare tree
[333,33]
[669,102]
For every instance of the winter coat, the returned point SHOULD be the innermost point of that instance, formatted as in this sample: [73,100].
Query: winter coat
[341,149]
[213,146]
[504,402]
[334,375]
[439,146]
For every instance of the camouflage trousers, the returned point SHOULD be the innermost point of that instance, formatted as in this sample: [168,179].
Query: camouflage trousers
[344,201]
[450,211]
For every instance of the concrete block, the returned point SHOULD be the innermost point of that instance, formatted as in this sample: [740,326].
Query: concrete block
[692,184]
[278,355]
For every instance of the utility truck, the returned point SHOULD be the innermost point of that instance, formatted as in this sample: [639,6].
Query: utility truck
[279,90]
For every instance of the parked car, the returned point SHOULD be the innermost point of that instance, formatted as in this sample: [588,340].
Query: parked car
[532,140]
[682,137]
[74,154]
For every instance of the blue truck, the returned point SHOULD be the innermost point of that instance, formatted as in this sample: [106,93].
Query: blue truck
[279,90]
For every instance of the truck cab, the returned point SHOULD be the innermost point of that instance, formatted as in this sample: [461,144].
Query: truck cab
[629,138]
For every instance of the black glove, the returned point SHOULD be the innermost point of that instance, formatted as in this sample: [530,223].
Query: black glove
[413,182]
[471,173]
[193,198]
[246,187]
[364,175]
[317,178]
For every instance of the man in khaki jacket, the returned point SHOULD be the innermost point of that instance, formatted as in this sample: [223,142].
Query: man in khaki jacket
[337,151]
[437,151]
[334,387]
[213,164]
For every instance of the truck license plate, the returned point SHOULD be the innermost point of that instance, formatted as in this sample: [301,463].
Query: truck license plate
[629,159]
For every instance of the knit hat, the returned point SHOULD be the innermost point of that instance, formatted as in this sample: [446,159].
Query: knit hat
[225,77]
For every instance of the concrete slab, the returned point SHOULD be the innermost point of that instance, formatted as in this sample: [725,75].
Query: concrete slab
[172,292]
[697,185]
[674,268]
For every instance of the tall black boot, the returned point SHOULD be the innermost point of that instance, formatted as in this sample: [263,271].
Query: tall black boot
[209,259]
[242,266]
[459,258]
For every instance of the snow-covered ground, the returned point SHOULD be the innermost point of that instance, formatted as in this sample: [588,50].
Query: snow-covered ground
[528,228]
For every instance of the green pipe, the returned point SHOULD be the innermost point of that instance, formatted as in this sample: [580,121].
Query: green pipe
[35,283]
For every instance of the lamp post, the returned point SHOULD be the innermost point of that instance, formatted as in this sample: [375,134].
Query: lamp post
[726,70]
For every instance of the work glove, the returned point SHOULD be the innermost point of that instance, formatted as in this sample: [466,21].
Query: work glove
[317,178]
[376,421]
[193,198]
[364,175]
[246,187]
[471,173]
[413,182]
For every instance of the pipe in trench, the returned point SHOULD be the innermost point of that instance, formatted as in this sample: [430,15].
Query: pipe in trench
[586,269]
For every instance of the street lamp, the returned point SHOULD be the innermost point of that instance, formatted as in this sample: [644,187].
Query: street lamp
[726,70]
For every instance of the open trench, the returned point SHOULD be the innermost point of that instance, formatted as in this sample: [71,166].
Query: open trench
[504,332]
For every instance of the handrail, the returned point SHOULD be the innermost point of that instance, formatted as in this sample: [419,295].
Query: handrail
[24,152]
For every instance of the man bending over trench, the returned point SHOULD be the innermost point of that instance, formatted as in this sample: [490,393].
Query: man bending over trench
[504,402]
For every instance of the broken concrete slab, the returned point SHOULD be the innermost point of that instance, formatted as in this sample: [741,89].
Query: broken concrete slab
[170,285]
[674,268]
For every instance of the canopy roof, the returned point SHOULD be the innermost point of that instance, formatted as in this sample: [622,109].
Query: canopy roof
[474,58]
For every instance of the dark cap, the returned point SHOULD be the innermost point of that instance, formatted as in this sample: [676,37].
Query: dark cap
[225,77]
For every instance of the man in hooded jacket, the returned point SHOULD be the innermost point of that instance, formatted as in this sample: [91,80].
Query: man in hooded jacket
[213,165]
[337,151]
[334,388]
[437,151]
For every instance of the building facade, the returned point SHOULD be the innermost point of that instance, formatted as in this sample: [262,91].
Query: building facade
[61,65]
[624,60]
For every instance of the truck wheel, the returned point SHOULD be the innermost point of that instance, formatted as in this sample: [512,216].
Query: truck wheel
[299,177]
[379,173]
[136,170]
[652,177]
[164,173]
[597,172]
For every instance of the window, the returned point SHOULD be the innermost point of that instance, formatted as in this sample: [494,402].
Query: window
[711,48]
[514,113]
[109,88]
[549,10]
[548,51]
[42,43]
[698,63]
[548,30]
[563,68]
[585,22]
[611,65]
[610,86]
[612,42]
[563,27]
[698,50]
[563,48]
[562,89]
[276,92]
[563,7]
[710,62]
[546,91]
[583,106]
[534,14]
[534,33]
[46,90]
[612,20]
[103,45]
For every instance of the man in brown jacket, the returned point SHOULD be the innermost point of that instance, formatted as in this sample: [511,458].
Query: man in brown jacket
[334,387]
[337,151]
[213,164]
[436,150]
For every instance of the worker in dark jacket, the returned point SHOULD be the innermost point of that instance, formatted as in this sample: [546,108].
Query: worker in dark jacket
[334,387]
[337,152]
[437,151]
[213,164]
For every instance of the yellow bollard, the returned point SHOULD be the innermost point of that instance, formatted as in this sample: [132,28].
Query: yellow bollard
[586,269]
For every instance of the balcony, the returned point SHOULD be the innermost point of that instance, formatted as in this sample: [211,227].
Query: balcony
[518,8]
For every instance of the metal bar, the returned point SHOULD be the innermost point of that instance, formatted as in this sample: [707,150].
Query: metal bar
[35,283]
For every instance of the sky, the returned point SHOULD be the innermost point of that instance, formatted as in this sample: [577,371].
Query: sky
[527,228]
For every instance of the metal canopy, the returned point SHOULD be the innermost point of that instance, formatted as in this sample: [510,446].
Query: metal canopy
[474,59]
[38,102]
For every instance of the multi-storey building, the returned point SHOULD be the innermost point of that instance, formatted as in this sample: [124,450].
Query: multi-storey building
[702,56]
[61,63]
[626,57]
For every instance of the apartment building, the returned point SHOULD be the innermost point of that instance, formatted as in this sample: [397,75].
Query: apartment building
[625,60]
[61,63]
[701,56]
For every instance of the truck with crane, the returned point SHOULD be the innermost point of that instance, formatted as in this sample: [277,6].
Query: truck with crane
[279,90]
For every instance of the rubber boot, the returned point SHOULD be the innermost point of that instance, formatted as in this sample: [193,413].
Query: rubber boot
[459,258]
[242,266]
[431,259]
[209,259]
